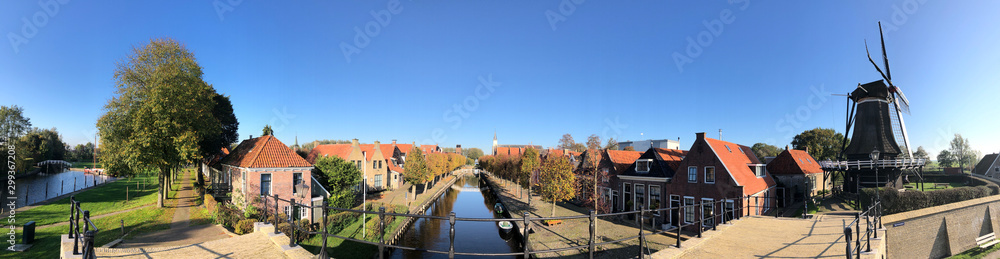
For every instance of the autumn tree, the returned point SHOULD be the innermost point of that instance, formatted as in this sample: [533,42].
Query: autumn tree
[588,180]
[339,177]
[416,171]
[593,142]
[161,112]
[762,150]
[629,148]
[529,164]
[556,180]
[566,142]
[612,144]
[823,144]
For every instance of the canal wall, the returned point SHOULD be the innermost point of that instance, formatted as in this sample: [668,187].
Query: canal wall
[421,209]
[518,224]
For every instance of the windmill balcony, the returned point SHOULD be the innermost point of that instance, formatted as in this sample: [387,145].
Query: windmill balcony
[862,164]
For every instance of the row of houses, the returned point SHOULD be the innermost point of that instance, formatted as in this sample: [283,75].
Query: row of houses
[266,166]
[711,170]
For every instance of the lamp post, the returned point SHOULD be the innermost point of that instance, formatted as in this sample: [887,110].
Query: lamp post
[874,157]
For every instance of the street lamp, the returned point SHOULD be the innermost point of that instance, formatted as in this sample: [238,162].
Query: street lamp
[874,157]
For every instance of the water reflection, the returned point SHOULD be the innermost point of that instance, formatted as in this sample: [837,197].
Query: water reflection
[479,237]
[34,189]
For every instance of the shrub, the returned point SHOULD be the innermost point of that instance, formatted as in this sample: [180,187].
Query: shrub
[372,229]
[896,202]
[244,226]
[337,222]
[227,215]
[287,229]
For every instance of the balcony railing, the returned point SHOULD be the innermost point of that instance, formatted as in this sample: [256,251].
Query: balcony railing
[869,164]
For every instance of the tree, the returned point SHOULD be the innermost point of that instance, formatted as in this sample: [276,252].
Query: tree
[629,148]
[416,171]
[961,152]
[921,154]
[222,111]
[612,144]
[529,164]
[566,142]
[587,182]
[339,177]
[823,144]
[945,158]
[578,147]
[556,180]
[267,131]
[160,114]
[593,142]
[39,145]
[13,124]
[473,153]
[762,150]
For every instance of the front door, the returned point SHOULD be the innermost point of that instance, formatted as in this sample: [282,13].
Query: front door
[675,202]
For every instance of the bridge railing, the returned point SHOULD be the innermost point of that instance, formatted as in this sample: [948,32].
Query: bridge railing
[704,215]
[85,238]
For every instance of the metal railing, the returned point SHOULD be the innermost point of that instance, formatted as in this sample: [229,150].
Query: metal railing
[868,164]
[89,230]
[873,222]
[705,216]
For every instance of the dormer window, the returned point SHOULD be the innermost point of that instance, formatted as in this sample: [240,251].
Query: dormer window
[642,166]
[758,169]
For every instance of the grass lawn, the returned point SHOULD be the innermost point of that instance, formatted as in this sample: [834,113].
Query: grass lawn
[100,200]
[930,186]
[975,252]
[83,164]
[137,222]
[350,249]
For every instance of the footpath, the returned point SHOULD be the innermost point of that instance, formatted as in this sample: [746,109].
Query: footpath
[181,231]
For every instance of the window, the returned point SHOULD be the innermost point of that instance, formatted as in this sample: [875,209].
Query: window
[640,196]
[296,181]
[642,165]
[692,174]
[730,210]
[707,212]
[627,194]
[654,198]
[303,212]
[709,174]
[730,149]
[265,184]
[688,209]
[378,180]
[604,177]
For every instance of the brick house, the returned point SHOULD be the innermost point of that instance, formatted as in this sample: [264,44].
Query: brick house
[989,166]
[265,166]
[611,163]
[714,170]
[798,172]
[647,180]
[382,164]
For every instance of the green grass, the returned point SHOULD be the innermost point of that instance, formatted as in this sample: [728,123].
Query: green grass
[137,222]
[100,200]
[975,252]
[350,249]
[930,186]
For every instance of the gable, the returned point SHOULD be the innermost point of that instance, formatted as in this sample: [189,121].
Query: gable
[736,163]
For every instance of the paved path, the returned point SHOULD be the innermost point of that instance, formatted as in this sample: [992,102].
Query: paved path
[181,231]
[768,237]
[255,245]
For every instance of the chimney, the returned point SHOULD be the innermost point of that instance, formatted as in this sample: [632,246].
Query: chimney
[786,147]
[720,134]
[393,142]
[458,149]
[354,142]
[377,149]
[807,149]
[700,135]
[251,136]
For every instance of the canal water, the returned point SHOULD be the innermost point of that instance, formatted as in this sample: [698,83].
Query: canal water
[32,189]
[467,200]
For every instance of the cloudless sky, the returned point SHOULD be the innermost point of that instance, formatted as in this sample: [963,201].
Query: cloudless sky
[602,67]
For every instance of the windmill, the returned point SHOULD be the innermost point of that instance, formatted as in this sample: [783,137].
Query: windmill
[875,113]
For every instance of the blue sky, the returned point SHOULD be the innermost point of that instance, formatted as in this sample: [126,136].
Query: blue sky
[760,71]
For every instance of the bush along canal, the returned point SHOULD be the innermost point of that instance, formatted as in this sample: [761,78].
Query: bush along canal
[468,197]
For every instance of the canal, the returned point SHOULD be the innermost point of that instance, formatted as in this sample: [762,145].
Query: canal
[467,200]
[42,187]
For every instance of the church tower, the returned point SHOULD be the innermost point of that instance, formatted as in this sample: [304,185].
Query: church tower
[494,142]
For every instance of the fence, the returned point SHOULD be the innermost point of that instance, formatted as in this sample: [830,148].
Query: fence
[89,230]
[702,216]
[873,222]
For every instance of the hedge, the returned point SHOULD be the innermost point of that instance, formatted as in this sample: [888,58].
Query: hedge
[894,201]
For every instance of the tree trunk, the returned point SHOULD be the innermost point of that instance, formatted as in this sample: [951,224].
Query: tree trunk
[159,192]
[413,192]
[553,208]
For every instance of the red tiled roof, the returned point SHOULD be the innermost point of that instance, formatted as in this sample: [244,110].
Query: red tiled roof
[672,157]
[340,150]
[428,148]
[509,151]
[266,151]
[622,159]
[735,160]
[794,162]
[405,148]
[557,152]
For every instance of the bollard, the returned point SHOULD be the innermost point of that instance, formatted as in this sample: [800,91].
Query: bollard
[593,234]
[123,227]
[451,235]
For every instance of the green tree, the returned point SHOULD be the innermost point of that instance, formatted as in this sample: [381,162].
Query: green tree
[267,130]
[629,148]
[473,153]
[762,150]
[339,177]
[222,111]
[593,142]
[566,142]
[578,147]
[161,112]
[962,153]
[921,154]
[612,144]
[946,159]
[13,124]
[416,171]
[556,180]
[529,164]
[823,144]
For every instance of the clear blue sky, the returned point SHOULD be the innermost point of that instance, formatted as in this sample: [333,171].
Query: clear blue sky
[605,67]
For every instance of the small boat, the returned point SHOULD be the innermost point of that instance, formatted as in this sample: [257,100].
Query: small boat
[498,208]
[505,225]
